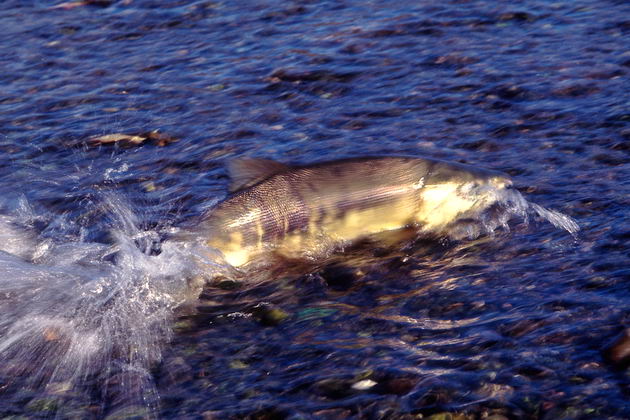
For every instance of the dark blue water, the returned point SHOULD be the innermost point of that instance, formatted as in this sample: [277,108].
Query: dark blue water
[511,325]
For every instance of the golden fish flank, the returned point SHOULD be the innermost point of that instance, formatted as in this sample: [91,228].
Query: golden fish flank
[296,210]
[441,204]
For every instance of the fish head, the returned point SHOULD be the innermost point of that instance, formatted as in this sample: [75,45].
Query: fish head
[451,192]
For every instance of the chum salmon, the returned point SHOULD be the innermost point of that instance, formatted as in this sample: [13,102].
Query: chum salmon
[302,211]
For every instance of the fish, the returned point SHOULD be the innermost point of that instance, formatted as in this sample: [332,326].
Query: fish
[308,210]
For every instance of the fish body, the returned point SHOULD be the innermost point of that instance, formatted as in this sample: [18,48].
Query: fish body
[301,211]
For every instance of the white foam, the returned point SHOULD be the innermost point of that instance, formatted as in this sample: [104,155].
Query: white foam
[556,218]
[70,311]
[509,204]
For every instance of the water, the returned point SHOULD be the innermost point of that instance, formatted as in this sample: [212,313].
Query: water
[83,312]
[100,311]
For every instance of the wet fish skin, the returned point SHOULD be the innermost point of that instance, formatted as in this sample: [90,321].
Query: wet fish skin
[302,211]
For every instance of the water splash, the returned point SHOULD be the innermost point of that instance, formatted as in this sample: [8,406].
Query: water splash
[514,204]
[510,203]
[498,207]
[556,218]
[78,316]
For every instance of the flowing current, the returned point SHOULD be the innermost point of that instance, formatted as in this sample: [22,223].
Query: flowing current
[91,319]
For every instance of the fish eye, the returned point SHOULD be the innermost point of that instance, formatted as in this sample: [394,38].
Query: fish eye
[500,182]
[474,185]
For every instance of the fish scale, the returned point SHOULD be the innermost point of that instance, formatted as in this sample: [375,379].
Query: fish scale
[293,210]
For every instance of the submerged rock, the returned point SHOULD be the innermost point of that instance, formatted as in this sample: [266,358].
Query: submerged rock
[618,351]
[269,315]
[154,137]
[450,416]
[43,405]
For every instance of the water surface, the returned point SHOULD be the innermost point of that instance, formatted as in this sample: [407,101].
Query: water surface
[98,314]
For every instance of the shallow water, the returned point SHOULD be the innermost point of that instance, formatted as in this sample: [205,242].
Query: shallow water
[98,313]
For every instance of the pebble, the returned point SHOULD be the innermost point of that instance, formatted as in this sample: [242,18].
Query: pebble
[363,385]
[449,416]
[618,351]
[268,315]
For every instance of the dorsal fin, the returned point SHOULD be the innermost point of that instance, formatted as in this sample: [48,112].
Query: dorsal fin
[245,172]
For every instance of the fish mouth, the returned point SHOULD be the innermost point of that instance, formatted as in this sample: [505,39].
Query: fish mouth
[486,191]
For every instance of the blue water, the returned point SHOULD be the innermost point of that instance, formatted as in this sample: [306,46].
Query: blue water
[99,315]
